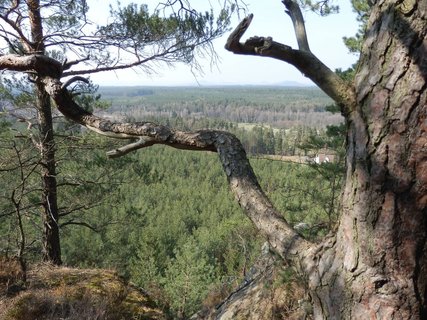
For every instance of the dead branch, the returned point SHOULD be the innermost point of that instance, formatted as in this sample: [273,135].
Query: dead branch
[68,64]
[303,59]
[233,41]
[141,143]
[79,223]
[294,11]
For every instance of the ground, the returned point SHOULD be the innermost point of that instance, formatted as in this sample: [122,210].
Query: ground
[67,293]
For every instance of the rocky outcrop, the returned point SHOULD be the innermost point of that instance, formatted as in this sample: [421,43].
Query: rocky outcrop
[74,294]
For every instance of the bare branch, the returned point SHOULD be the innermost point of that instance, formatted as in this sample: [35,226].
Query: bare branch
[294,11]
[303,60]
[74,79]
[68,64]
[67,211]
[40,64]
[24,40]
[233,41]
[141,143]
[162,56]
[79,223]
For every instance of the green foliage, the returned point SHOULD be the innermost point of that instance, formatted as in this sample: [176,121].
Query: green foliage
[18,185]
[86,95]
[171,35]
[354,44]
[329,174]
[362,8]
[347,75]
[68,17]
[324,7]
[137,23]
[172,216]
[16,91]
[137,27]
[188,278]
[168,203]
[157,214]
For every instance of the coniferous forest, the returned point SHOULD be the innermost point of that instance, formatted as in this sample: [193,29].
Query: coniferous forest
[157,216]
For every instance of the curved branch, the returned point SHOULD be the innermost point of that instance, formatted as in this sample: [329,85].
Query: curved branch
[305,61]
[282,237]
[74,79]
[79,223]
[233,43]
[24,40]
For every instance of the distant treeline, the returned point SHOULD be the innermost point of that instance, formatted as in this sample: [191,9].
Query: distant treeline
[279,107]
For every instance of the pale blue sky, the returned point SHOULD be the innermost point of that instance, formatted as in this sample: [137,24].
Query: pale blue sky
[324,35]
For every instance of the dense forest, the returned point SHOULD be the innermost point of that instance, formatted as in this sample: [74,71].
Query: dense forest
[156,215]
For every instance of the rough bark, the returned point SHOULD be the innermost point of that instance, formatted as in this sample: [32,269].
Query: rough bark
[375,266]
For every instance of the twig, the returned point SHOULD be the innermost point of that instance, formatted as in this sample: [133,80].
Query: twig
[141,143]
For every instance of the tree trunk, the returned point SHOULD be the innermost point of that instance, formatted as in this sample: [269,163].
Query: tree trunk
[50,215]
[376,265]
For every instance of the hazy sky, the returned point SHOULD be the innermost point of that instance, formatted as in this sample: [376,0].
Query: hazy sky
[324,35]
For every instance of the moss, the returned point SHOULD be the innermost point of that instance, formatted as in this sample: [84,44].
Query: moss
[55,293]
[26,307]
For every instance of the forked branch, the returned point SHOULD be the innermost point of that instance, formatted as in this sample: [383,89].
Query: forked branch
[303,59]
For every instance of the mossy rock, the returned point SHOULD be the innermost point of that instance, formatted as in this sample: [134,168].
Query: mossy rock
[66,293]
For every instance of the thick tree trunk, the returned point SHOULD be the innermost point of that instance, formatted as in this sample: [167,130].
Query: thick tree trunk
[376,265]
